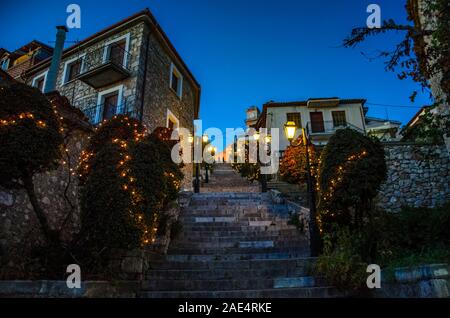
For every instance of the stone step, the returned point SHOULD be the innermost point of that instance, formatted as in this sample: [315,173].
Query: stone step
[282,242]
[262,236]
[289,247]
[208,262]
[239,256]
[313,292]
[210,274]
[227,227]
[258,232]
[244,220]
[228,284]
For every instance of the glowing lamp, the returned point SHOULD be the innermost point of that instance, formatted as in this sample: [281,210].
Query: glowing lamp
[290,129]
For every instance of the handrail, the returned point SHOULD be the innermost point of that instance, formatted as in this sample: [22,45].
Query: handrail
[329,127]
[101,56]
[94,112]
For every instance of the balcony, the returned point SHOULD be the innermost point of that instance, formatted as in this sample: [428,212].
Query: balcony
[105,66]
[98,113]
[328,128]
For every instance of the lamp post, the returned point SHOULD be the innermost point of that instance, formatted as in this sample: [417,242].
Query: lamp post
[290,130]
[205,140]
[257,136]
[193,141]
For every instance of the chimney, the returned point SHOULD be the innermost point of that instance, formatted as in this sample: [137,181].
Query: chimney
[50,83]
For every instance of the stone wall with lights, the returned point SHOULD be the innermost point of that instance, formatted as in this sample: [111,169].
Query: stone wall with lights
[56,191]
[418,175]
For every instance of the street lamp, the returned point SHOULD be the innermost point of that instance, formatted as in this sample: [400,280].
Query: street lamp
[210,150]
[290,129]
[191,140]
[257,136]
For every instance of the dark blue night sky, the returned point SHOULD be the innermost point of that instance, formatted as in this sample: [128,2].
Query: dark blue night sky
[246,52]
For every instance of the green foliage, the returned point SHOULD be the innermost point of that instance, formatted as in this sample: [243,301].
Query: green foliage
[172,172]
[430,128]
[250,171]
[352,168]
[341,264]
[413,231]
[106,221]
[127,179]
[293,165]
[30,144]
[295,220]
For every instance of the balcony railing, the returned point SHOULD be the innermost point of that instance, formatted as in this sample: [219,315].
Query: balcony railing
[105,66]
[328,128]
[98,113]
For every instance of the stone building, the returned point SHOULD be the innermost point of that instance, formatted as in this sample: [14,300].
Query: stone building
[128,68]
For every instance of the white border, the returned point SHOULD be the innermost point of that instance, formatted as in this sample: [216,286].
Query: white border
[173,69]
[127,48]
[66,64]
[101,97]
[172,117]
[44,74]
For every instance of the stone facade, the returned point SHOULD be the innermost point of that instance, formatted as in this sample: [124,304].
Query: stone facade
[146,92]
[418,175]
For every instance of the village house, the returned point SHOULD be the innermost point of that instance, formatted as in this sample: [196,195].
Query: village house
[320,116]
[128,68]
[383,129]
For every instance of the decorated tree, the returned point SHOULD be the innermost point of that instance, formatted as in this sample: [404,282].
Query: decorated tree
[127,179]
[30,143]
[161,137]
[351,171]
[293,165]
[122,188]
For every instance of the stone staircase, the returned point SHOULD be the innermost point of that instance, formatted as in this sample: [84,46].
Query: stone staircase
[235,245]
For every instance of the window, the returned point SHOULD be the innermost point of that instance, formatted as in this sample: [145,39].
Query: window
[317,124]
[171,124]
[339,118]
[295,117]
[73,68]
[39,81]
[116,51]
[4,64]
[172,120]
[176,80]
[109,104]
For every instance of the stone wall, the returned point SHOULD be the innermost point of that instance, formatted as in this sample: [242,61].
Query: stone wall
[418,175]
[57,193]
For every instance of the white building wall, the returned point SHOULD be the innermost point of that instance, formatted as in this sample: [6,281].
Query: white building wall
[277,117]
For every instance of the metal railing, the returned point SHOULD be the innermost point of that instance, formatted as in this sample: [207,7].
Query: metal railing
[102,56]
[329,127]
[97,113]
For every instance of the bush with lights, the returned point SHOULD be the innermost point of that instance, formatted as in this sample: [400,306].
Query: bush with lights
[30,142]
[293,166]
[127,179]
[351,170]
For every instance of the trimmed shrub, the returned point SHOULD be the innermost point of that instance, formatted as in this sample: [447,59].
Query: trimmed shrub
[293,165]
[351,171]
